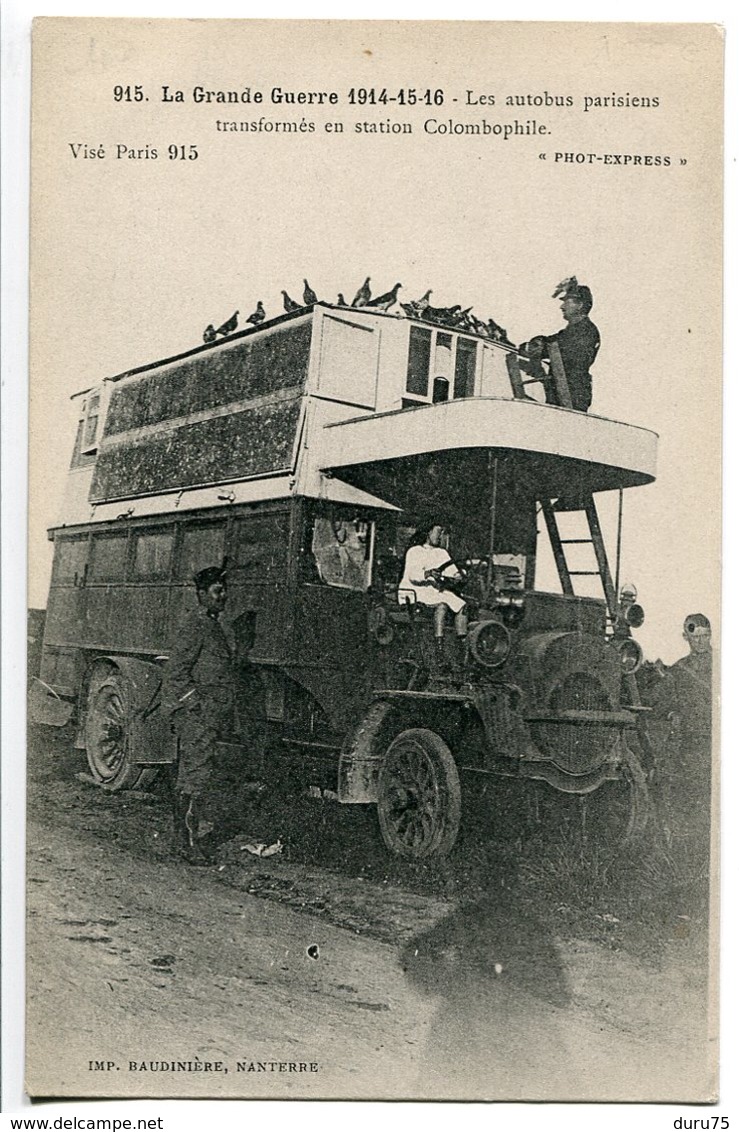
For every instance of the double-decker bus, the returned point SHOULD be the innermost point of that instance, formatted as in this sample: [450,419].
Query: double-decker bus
[304,452]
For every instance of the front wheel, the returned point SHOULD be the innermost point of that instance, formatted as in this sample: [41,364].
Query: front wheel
[617,815]
[419,801]
[108,740]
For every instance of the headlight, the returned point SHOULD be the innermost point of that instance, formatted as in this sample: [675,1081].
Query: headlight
[489,643]
[635,616]
[511,608]
[630,655]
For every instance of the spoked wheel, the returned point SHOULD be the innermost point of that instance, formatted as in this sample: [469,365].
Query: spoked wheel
[419,802]
[108,739]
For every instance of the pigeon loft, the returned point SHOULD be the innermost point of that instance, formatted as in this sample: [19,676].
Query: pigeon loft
[243,408]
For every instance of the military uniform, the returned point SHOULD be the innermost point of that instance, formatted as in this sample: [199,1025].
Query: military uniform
[578,343]
[198,692]
[681,718]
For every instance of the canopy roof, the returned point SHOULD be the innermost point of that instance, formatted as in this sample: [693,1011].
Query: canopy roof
[551,451]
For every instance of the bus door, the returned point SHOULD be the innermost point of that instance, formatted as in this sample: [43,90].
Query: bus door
[334,576]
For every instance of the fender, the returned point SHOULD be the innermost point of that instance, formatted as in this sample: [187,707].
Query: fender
[360,760]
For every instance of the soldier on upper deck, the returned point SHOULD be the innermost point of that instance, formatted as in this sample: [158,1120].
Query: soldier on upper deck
[578,343]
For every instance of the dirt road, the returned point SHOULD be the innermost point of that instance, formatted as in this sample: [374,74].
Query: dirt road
[322,972]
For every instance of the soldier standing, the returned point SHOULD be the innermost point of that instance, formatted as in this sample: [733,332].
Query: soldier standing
[198,692]
[681,701]
[578,343]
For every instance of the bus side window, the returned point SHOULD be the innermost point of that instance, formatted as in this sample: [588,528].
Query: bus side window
[152,555]
[70,560]
[108,557]
[259,547]
[201,546]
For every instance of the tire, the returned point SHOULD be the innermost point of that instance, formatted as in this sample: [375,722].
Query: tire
[419,801]
[108,742]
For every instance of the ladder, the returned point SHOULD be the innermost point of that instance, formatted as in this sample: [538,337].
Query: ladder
[586,505]
[556,378]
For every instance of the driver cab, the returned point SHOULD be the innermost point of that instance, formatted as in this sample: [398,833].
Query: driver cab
[467,544]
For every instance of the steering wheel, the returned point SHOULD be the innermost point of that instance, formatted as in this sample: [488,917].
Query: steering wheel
[465,567]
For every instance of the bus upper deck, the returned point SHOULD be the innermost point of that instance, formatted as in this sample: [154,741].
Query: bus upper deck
[281,410]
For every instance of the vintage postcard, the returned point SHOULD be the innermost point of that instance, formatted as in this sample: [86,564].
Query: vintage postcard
[375,496]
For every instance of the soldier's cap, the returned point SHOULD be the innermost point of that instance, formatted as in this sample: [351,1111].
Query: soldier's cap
[209,576]
[697,624]
[579,292]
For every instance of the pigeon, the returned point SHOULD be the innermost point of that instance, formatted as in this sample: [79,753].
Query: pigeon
[461,318]
[229,326]
[341,301]
[416,307]
[384,302]
[309,296]
[565,287]
[497,333]
[209,334]
[289,304]
[445,315]
[469,322]
[363,295]
[478,326]
[258,315]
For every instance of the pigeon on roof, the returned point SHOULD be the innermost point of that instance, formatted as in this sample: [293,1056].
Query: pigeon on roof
[461,318]
[309,295]
[478,325]
[384,302]
[258,315]
[341,301]
[289,304]
[209,334]
[416,307]
[363,295]
[230,325]
[497,333]
[444,315]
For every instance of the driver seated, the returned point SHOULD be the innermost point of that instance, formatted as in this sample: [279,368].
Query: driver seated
[428,568]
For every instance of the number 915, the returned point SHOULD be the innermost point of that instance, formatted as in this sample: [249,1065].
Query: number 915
[128,93]
[182,152]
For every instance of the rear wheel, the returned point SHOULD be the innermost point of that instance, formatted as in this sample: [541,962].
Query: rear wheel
[419,798]
[108,735]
